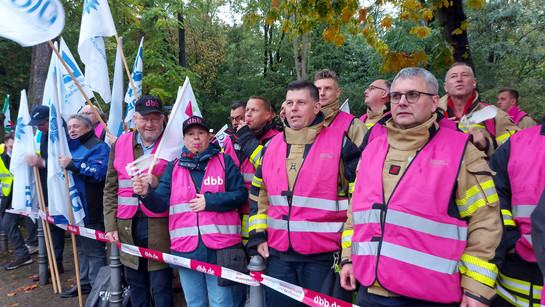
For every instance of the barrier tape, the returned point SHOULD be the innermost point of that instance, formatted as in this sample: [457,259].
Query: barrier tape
[297,293]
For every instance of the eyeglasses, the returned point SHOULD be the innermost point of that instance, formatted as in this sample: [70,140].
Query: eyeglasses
[411,96]
[238,118]
[153,120]
[372,87]
[87,113]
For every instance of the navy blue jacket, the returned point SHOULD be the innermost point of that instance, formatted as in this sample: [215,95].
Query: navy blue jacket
[235,194]
[89,165]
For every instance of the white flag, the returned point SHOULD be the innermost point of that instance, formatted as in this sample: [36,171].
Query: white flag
[221,135]
[115,120]
[57,145]
[73,98]
[96,22]
[345,107]
[7,115]
[31,22]
[185,106]
[136,77]
[24,186]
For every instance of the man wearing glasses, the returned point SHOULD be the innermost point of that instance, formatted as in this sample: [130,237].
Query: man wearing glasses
[376,100]
[237,115]
[126,220]
[423,223]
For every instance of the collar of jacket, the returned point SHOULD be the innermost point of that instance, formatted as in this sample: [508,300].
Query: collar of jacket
[305,135]
[261,133]
[374,116]
[330,111]
[443,104]
[413,138]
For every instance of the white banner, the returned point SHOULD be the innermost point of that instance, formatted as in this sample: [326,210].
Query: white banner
[24,193]
[31,22]
[115,120]
[96,22]
[57,145]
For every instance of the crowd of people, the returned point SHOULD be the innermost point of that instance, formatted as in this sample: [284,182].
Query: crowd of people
[415,203]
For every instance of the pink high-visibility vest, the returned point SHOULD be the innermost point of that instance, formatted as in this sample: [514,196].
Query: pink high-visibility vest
[127,204]
[342,121]
[410,244]
[217,229]
[527,180]
[311,217]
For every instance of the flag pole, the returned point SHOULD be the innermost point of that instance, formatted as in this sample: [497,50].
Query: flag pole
[55,280]
[126,66]
[174,110]
[74,250]
[79,86]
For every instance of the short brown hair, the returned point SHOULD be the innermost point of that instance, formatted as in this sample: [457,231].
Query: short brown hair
[326,74]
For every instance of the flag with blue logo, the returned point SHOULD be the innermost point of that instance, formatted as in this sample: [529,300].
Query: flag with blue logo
[115,120]
[31,22]
[57,145]
[136,77]
[72,100]
[96,23]
[23,189]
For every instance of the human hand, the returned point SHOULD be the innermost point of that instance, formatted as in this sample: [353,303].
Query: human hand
[139,186]
[151,179]
[198,204]
[113,236]
[35,160]
[348,281]
[263,249]
[479,140]
[64,160]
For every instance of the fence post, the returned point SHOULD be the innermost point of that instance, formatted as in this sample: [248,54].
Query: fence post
[256,265]
[42,256]
[116,290]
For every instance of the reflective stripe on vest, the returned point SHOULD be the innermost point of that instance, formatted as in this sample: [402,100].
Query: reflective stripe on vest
[526,177]
[317,213]
[399,242]
[216,229]
[127,204]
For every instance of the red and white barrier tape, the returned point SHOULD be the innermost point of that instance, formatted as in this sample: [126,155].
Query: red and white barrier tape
[300,294]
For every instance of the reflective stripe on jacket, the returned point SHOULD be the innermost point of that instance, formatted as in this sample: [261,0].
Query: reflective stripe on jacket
[217,229]
[527,183]
[411,245]
[311,217]
[127,203]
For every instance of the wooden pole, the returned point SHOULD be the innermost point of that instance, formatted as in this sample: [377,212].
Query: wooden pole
[55,280]
[126,66]
[74,250]
[79,86]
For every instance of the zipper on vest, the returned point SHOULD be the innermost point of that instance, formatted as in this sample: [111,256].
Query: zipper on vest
[198,191]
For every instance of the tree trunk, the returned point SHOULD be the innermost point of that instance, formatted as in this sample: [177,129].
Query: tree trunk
[181,41]
[451,18]
[301,52]
[265,49]
[41,56]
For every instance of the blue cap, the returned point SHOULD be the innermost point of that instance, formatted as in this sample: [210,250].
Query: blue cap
[38,115]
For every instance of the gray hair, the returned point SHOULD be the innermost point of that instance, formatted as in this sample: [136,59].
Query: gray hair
[82,118]
[429,79]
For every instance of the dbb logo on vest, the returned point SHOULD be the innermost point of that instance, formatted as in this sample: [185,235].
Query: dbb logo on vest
[213,181]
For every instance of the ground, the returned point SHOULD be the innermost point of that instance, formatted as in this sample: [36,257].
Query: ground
[18,289]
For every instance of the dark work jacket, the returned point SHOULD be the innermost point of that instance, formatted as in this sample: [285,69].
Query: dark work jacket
[89,164]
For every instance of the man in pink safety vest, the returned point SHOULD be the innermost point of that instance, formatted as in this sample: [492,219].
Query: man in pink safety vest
[328,86]
[508,101]
[299,194]
[423,223]
[126,220]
